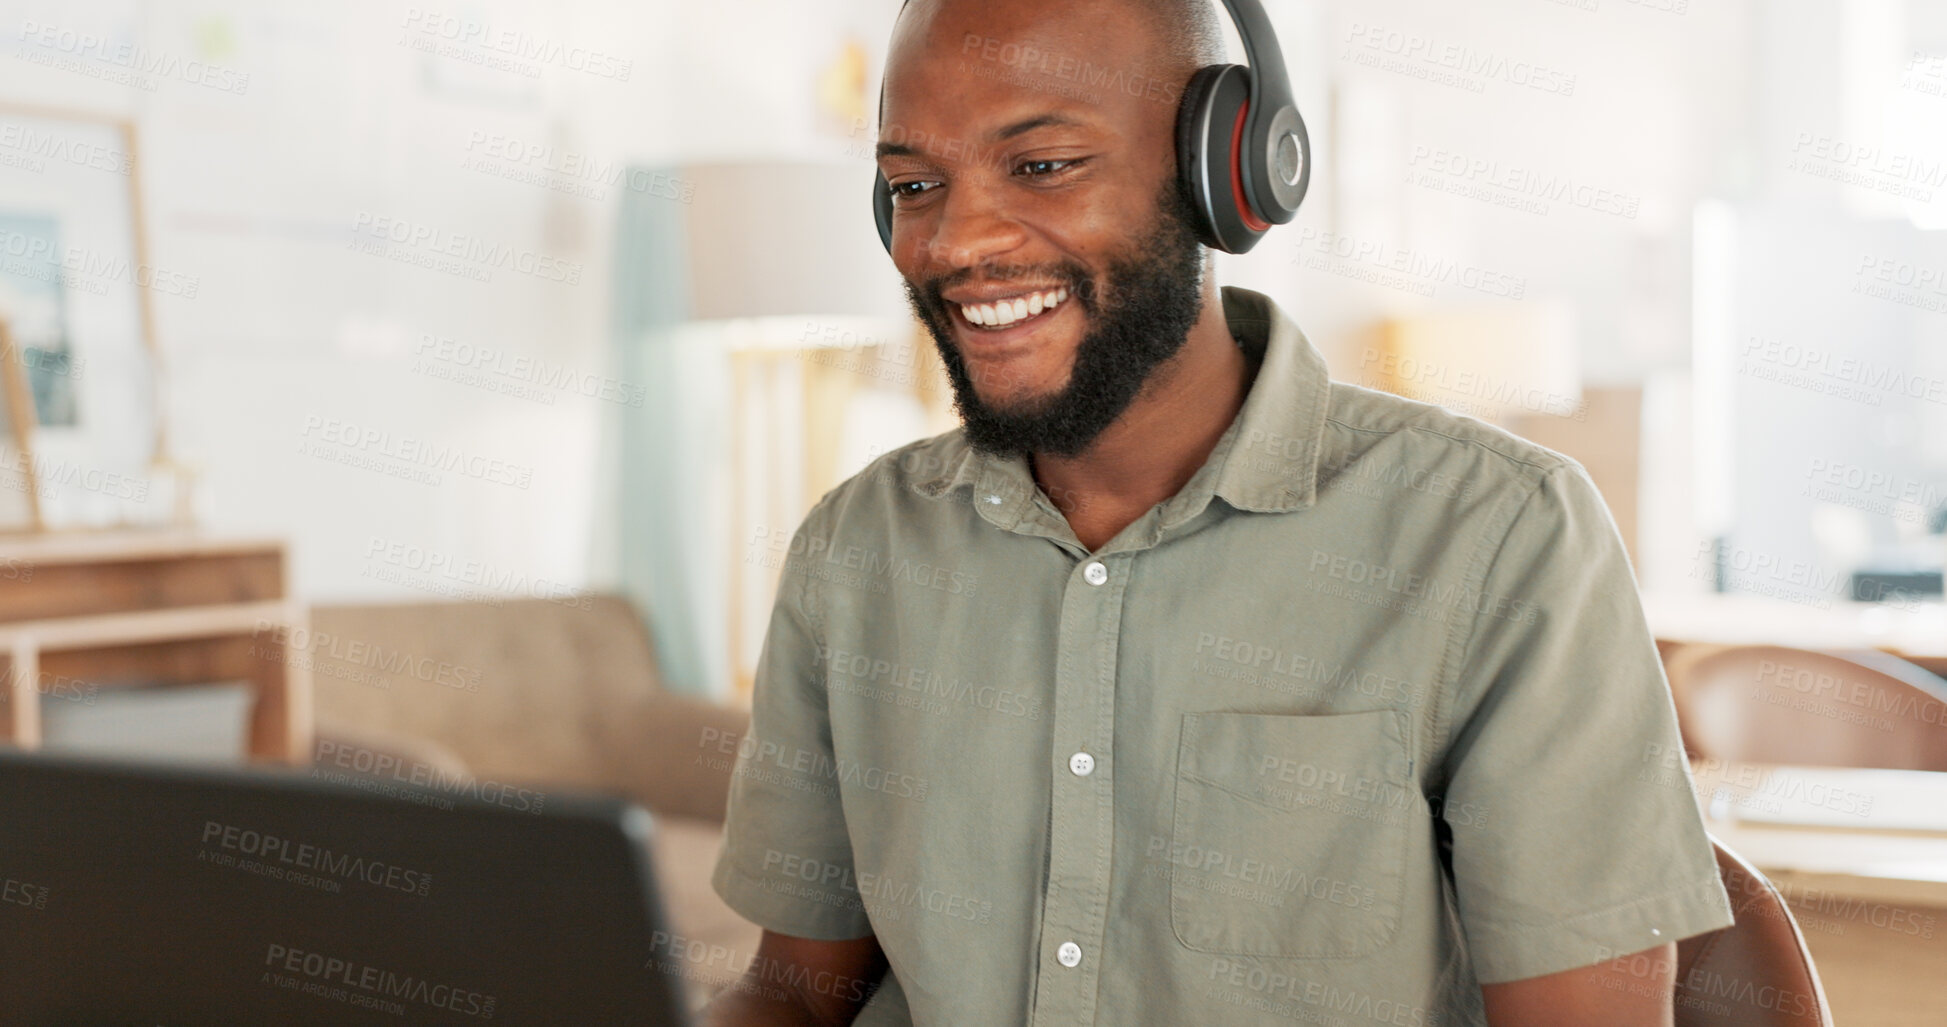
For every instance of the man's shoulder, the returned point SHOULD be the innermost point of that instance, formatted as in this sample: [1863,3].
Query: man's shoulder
[1363,422]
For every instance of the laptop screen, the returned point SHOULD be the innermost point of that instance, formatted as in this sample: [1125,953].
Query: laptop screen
[170,895]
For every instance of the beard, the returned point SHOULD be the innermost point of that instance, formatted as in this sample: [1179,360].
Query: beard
[1152,296]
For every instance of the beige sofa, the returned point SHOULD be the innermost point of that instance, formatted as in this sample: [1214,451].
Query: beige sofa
[553,695]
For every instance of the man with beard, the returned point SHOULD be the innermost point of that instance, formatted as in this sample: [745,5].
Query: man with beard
[1182,684]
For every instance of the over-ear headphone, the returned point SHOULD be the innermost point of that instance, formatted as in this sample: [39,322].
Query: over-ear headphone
[1242,154]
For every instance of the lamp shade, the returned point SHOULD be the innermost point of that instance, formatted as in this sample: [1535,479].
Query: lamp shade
[774,239]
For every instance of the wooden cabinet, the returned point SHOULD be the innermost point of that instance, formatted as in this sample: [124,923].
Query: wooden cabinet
[111,610]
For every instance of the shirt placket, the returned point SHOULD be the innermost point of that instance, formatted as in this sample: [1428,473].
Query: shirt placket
[1082,822]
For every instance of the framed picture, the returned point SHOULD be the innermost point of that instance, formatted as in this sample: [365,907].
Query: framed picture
[77,289]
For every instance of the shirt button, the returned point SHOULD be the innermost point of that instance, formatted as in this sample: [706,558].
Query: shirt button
[1095,573]
[1070,954]
[1082,764]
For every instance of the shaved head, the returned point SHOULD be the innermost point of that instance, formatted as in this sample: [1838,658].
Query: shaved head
[1187,34]
[1192,34]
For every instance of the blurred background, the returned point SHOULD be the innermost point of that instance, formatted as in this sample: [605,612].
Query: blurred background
[446,379]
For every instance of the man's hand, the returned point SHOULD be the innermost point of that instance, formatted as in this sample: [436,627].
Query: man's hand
[1633,991]
[801,982]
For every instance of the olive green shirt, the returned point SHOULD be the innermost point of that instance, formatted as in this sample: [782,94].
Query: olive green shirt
[1364,716]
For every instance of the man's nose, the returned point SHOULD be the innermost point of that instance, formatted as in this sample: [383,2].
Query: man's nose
[973,228]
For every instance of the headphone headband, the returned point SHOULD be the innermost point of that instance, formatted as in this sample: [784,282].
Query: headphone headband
[1272,168]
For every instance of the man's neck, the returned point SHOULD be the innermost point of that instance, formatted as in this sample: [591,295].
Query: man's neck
[1158,444]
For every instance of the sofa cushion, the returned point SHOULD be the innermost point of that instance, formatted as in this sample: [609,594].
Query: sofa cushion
[533,691]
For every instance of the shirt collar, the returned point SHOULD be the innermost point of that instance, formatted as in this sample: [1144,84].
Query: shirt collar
[1266,461]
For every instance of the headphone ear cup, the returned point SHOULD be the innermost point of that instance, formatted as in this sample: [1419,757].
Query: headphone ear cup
[1192,115]
[882,208]
[1207,127]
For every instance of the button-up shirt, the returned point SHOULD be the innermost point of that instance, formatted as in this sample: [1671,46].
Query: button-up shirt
[1364,716]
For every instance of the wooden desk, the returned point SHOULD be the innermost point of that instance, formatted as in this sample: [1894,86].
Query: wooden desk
[1861,856]
[1917,634]
[152,608]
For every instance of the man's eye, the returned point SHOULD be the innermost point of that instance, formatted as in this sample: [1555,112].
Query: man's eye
[910,189]
[1039,168]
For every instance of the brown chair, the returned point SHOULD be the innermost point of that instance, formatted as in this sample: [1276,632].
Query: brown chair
[1756,972]
[1803,707]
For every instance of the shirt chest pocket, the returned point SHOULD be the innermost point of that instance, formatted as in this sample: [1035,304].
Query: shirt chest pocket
[1290,832]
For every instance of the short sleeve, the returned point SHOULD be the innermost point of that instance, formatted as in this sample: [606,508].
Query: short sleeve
[1579,838]
[786,861]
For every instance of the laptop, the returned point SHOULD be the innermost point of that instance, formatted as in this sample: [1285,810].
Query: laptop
[175,895]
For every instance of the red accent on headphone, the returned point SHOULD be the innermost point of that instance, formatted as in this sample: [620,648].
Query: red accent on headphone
[1251,220]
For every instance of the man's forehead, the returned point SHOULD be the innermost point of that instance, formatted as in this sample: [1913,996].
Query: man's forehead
[986,78]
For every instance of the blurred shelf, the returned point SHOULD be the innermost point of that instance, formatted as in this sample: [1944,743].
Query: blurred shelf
[1917,633]
[152,609]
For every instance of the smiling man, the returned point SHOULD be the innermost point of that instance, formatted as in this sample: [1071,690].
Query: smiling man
[1183,684]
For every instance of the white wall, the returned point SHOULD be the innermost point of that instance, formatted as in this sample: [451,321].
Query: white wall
[261,194]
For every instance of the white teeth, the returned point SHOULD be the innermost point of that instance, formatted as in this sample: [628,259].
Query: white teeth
[1006,312]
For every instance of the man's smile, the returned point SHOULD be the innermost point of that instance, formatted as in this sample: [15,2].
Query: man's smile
[1005,322]
[1007,309]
